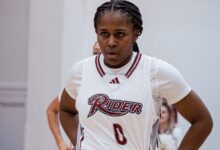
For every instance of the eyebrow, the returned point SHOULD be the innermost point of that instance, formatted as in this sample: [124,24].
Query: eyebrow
[117,30]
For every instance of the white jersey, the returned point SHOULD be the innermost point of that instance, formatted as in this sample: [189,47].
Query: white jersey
[171,140]
[116,107]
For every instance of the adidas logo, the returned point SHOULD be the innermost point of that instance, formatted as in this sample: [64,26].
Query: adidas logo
[114,81]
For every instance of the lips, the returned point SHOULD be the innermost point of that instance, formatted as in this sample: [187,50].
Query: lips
[112,55]
[111,50]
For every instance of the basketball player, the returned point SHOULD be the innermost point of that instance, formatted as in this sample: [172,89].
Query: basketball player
[116,95]
[52,114]
[169,133]
[96,48]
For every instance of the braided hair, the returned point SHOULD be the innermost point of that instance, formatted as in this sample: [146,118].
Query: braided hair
[126,7]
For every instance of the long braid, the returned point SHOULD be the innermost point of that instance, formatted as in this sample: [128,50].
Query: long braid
[126,7]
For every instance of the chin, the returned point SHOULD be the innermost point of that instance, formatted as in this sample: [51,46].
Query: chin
[113,64]
[162,121]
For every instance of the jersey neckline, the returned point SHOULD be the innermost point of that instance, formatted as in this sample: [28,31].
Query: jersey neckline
[128,71]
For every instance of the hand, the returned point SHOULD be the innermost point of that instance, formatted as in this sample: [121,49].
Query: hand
[64,146]
[73,148]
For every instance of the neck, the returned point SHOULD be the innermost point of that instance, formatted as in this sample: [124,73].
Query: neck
[163,127]
[121,64]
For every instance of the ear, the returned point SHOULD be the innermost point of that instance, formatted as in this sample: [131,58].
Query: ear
[136,34]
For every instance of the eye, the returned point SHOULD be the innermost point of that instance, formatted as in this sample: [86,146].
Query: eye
[120,34]
[104,34]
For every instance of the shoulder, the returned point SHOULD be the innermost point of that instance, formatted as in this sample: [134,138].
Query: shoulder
[75,72]
[74,77]
[164,70]
[155,63]
[147,58]
[149,61]
[76,69]
[168,81]
[161,66]
[158,67]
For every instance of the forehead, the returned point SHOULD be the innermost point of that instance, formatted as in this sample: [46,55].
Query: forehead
[114,19]
[163,108]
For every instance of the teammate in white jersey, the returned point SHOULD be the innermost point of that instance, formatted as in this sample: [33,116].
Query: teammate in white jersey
[116,96]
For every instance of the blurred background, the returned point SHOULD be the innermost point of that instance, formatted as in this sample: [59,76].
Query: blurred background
[41,39]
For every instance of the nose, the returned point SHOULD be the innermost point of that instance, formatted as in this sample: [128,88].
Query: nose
[112,42]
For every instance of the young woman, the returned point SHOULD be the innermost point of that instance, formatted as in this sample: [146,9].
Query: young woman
[96,48]
[169,133]
[116,95]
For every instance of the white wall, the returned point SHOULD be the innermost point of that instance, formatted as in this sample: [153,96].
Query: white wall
[13,72]
[13,40]
[73,33]
[44,65]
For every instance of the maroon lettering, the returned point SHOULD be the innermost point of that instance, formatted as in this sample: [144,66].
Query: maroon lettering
[109,104]
[97,102]
[116,105]
[126,106]
[136,108]
[102,103]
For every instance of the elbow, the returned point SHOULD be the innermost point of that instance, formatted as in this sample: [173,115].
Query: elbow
[206,125]
[48,111]
[209,125]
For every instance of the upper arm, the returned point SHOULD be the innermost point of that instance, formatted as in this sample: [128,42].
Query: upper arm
[54,105]
[74,79]
[192,108]
[73,82]
[67,103]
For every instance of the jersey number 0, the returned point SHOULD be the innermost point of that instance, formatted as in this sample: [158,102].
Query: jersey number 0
[118,131]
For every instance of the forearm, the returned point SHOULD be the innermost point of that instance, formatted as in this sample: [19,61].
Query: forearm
[192,108]
[54,127]
[69,122]
[196,135]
